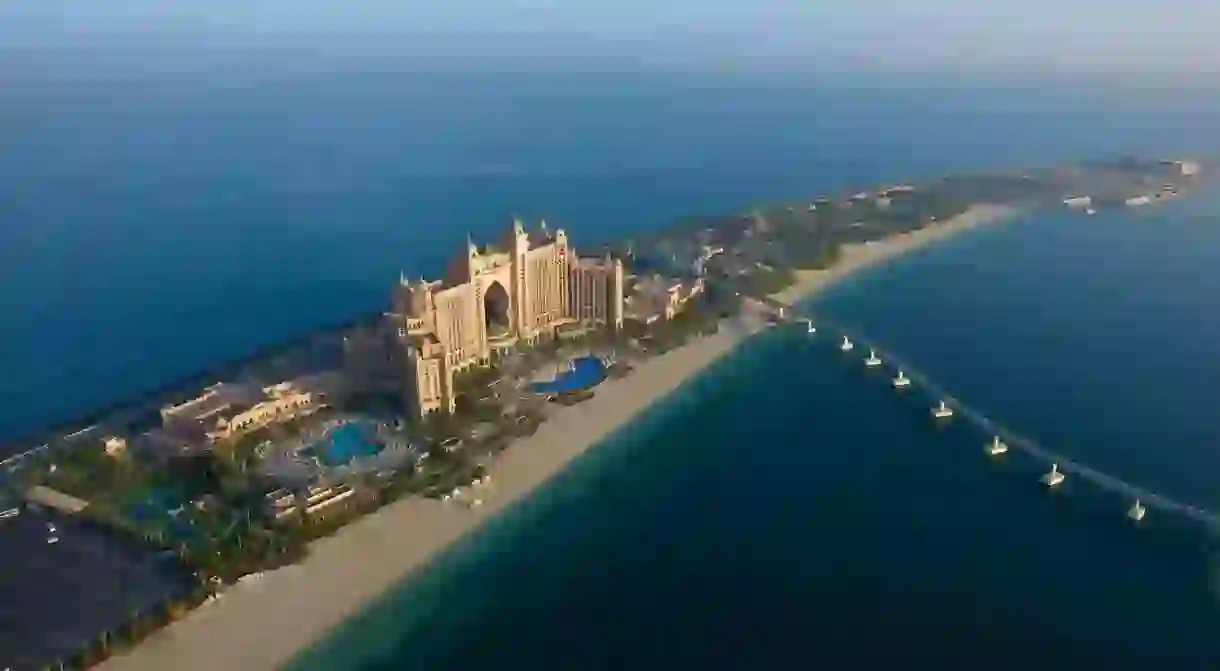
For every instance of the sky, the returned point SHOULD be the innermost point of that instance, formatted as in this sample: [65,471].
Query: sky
[1115,36]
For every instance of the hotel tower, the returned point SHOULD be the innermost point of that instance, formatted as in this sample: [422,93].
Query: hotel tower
[494,298]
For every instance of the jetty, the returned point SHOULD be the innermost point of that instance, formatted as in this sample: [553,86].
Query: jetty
[57,500]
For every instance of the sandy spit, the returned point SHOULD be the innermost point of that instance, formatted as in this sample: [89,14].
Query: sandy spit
[264,623]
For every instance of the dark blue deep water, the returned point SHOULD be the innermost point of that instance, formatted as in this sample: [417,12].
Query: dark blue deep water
[151,226]
[788,509]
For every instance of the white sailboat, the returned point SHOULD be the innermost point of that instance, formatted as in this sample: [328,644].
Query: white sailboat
[1137,511]
[873,360]
[1054,477]
[901,380]
[942,411]
[996,447]
[846,345]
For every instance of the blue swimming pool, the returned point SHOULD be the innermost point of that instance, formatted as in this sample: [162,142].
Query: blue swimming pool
[344,443]
[585,372]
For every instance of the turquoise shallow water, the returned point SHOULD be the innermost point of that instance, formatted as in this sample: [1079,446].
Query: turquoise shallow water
[788,508]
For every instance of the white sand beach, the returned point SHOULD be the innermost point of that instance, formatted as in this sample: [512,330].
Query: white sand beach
[263,624]
[854,258]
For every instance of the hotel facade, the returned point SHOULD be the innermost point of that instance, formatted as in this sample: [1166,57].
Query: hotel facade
[493,299]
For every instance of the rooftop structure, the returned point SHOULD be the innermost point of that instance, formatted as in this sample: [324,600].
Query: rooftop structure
[223,410]
[213,401]
[1182,167]
[656,298]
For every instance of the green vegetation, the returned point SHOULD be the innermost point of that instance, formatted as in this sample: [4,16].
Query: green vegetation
[475,378]
[764,280]
[203,507]
[88,472]
[698,319]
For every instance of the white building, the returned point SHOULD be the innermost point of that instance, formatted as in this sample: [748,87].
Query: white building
[1184,168]
[224,411]
[283,401]
[114,445]
[655,298]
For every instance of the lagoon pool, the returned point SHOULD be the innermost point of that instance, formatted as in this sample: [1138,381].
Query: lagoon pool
[584,373]
[344,443]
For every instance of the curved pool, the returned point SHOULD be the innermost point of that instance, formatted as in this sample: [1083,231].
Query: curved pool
[584,373]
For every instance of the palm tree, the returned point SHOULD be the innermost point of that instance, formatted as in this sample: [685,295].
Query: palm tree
[134,626]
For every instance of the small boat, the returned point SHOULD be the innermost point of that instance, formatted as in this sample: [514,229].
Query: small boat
[1090,211]
[809,327]
[1054,477]
[846,344]
[942,411]
[901,380]
[996,447]
[9,512]
[51,528]
[1137,511]
[52,540]
[873,360]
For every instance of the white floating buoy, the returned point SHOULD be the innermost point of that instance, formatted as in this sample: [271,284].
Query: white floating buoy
[1137,511]
[996,447]
[1053,478]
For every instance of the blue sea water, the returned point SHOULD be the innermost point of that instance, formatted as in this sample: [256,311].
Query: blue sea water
[789,509]
[154,225]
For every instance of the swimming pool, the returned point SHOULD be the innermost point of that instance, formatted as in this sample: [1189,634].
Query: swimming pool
[585,372]
[344,443]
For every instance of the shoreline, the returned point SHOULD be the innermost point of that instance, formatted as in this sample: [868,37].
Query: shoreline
[264,624]
[855,257]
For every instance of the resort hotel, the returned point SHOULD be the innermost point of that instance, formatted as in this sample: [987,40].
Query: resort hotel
[526,290]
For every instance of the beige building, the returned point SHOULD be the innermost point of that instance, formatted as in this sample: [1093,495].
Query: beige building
[656,298]
[282,402]
[495,298]
[224,411]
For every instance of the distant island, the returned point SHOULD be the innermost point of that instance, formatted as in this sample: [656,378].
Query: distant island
[376,444]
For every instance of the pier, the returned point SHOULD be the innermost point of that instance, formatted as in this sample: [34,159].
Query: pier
[835,334]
